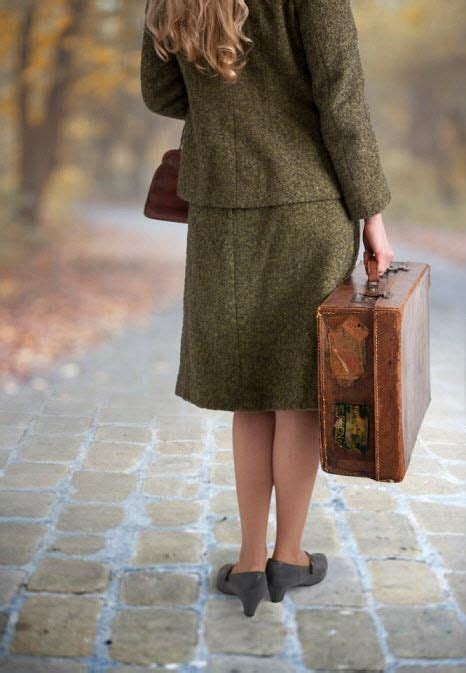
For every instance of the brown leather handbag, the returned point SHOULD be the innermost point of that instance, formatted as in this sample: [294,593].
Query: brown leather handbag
[162,202]
[374,370]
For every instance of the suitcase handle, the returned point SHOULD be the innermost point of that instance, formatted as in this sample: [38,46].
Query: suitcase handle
[377,286]
[372,275]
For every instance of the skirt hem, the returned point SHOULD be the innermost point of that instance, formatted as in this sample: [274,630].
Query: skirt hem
[219,406]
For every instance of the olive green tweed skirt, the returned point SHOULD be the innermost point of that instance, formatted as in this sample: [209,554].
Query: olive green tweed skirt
[254,278]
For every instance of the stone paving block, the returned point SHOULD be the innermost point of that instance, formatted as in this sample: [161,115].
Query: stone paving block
[18,542]
[431,669]
[56,626]
[228,531]
[339,639]
[89,518]
[341,586]
[383,534]
[458,588]
[73,576]
[174,512]
[177,465]
[66,425]
[223,437]
[367,498]
[121,399]
[183,447]
[172,406]
[438,518]
[124,433]
[10,582]
[25,504]
[448,452]
[422,464]
[224,456]
[179,427]
[113,457]
[137,415]
[33,475]
[235,664]
[225,503]
[320,532]
[61,449]
[430,633]
[154,635]
[452,549]
[70,407]
[155,546]
[122,668]
[458,471]
[321,492]
[26,665]
[16,418]
[222,474]
[4,456]
[159,588]
[404,582]
[103,486]
[10,436]
[227,630]
[420,484]
[443,435]
[78,545]
[174,487]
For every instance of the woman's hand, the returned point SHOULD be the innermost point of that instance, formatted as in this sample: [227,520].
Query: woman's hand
[376,243]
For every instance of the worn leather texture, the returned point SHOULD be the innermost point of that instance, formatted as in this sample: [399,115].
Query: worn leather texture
[162,201]
[374,372]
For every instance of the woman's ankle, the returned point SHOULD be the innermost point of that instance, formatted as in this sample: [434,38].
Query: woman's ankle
[293,556]
[251,560]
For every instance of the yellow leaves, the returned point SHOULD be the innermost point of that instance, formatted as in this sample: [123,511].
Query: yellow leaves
[8,287]
[103,55]
[413,13]
[8,32]
[101,84]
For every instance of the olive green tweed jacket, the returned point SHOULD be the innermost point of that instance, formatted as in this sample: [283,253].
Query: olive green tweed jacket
[295,127]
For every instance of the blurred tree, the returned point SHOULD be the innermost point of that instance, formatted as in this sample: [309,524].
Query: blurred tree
[39,135]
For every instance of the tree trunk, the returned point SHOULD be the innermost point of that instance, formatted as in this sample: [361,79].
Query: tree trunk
[39,143]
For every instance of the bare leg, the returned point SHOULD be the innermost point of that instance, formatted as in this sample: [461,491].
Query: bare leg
[253,433]
[295,463]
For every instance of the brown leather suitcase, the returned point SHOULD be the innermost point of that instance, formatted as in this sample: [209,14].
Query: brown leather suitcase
[374,370]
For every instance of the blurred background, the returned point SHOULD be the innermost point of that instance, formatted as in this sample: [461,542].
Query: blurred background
[78,260]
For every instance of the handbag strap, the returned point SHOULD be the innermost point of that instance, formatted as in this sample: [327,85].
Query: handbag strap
[182,136]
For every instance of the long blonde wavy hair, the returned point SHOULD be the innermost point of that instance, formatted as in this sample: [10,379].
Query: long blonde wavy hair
[209,33]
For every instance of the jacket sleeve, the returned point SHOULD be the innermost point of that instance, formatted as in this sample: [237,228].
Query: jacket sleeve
[330,41]
[162,84]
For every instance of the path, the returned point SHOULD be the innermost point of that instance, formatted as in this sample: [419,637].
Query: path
[118,505]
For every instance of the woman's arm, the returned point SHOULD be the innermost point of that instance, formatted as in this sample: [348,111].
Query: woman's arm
[331,43]
[162,84]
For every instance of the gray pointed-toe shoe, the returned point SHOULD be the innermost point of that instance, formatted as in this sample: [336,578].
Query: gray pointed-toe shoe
[250,587]
[282,576]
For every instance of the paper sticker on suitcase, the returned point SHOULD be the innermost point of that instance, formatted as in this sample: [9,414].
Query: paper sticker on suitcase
[351,427]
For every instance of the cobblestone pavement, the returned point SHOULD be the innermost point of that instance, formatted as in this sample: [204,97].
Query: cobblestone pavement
[118,505]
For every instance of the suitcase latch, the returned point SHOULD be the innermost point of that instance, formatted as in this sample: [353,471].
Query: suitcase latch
[378,289]
[369,296]
[397,266]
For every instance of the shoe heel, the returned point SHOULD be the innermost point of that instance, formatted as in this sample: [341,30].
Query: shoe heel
[277,594]
[251,598]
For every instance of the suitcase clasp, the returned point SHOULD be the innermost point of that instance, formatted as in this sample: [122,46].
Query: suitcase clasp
[397,266]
